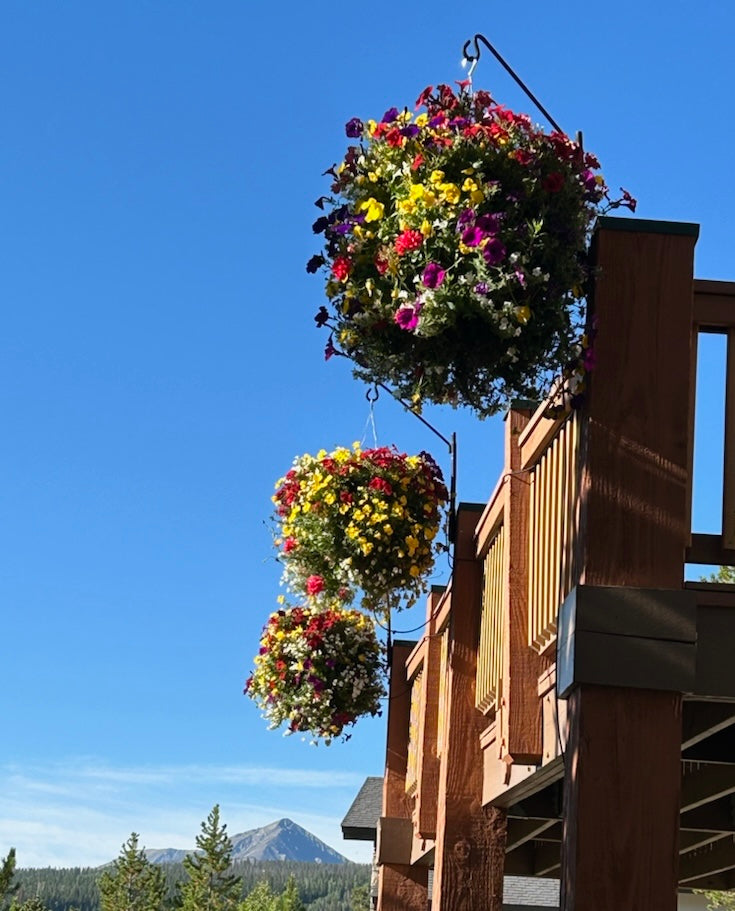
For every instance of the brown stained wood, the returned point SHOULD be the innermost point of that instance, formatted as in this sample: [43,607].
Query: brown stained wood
[714,304]
[705,784]
[637,410]
[400,887]
[403,888]
[470,839]
[428,785]
[537,434]
[623,750]
[728,476]
[520,713]
[716,857]
[621,838]
[703,719]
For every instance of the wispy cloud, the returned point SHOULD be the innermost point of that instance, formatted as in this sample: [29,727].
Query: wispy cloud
[79,812]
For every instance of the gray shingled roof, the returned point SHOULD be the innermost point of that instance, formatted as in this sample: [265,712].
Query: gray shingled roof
[361,821]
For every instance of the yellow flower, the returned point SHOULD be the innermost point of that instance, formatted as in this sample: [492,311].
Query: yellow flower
[373,176]
[450,192]
[414,570]
[436,177]
[426,228]
[408,206]
[523,314]
[372,208]
[422,120]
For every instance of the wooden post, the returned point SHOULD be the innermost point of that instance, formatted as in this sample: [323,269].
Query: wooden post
[520,710]
[401,887]
[622,782]
[469,855]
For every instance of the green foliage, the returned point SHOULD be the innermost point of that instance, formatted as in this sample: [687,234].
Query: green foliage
[134,884]
[7,871]
[262,898]
[716,900]
[211,885]
[32,904]
[723,574]
[290,899]
[360,898]
[322,887]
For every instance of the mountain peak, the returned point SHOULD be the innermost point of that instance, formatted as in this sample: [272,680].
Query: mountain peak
[280,840]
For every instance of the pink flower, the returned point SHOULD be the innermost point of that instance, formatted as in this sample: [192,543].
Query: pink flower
[314,585]
[433,275]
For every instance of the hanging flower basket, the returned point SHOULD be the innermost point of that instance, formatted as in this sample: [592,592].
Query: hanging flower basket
[360,519]
[455,249]
[318,670]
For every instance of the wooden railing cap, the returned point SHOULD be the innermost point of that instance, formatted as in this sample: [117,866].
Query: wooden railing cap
[647,226]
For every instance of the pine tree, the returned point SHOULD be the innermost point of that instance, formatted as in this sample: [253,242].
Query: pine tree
[30,904]
[289,899]
[7,871]
[360,898]
[211,885]
[134,884]
[262,898]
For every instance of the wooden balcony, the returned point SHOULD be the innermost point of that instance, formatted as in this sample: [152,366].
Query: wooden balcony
[573,700]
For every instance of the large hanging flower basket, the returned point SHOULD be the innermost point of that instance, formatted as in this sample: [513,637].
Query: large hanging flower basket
[360,519]
[455,248]
[318,670]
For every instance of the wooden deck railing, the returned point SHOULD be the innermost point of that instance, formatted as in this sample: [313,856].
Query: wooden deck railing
[714,312]
[490,655]
[553,522]
[414,728]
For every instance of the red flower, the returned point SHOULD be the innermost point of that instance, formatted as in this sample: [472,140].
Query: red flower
[314,585]
[381,484]
[341,268]
[424,96]
[394,138]
[417,162]
[407,241]
[554,182]
[288,545]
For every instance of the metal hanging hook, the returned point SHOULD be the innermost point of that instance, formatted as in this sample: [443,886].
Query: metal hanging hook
[372,395]
[472,58]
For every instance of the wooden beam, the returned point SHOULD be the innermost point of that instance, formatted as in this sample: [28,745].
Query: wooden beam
[718,748]
[714,858]
[621,836]
[400,886]
[690,841]
[706,784]
[717,816]
[703,719]
[521,831]
[520,706]
[545,804]
[469,853]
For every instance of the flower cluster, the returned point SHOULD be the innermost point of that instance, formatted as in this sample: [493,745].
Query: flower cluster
[360,519]
[455,249]
[317,670]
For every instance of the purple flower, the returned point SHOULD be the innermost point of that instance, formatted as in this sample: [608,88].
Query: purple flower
[329,349]
[410,131]
[494,251]
[465,218]
[390,115]
[433,275]
[489,223]
[472,236]
[353,128]
[408,317]
[320,225]
[482,288]
[437,121]
[520,278]
[589,182]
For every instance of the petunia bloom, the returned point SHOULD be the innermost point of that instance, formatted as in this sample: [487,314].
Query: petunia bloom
[353,128]
[433,275]
[494,251]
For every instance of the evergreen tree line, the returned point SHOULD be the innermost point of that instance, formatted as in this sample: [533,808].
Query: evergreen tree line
[206,881]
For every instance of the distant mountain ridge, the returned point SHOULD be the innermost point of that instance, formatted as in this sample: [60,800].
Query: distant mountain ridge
[280,840]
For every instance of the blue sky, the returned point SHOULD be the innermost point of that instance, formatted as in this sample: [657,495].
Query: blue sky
[159,365]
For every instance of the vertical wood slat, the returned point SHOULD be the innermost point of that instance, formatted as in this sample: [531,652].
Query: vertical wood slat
[728,476]
[414,728]
[490,654]
[442,700]
[552,532]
